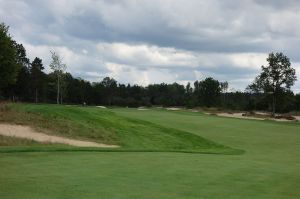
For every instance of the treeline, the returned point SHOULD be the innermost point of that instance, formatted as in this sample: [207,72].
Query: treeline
[24,80]
[109,92]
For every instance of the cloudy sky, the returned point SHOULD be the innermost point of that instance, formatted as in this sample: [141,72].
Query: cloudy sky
[153,41]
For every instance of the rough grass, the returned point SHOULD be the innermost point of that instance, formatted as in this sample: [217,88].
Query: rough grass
[12,141]
[107,127]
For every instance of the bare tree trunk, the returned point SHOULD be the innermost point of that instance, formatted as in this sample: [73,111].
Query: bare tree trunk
[57,97]
[274,105]
[36,95]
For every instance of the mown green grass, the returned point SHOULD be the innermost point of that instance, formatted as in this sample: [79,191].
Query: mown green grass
[269,168]
[250,135]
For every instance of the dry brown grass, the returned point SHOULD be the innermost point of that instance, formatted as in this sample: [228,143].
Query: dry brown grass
[13,141]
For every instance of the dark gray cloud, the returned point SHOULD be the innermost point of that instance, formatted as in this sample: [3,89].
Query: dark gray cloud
[279,4]
[159,40]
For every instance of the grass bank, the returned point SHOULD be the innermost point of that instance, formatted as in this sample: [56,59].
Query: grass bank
[105,126]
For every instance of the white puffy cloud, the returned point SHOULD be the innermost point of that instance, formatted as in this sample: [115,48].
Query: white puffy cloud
[145,55]
[154,56]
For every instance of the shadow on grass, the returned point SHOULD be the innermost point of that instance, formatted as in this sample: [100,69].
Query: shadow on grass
[21,149]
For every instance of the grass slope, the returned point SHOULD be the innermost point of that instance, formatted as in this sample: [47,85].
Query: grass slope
[107,127]
[250,135]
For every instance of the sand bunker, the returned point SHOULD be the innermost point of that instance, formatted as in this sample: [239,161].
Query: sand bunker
[26,132]
[100,106]
[193,110]
[240,115]
[297,118]
[142,108]
[173,109]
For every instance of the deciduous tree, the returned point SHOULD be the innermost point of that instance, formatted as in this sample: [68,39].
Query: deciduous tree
[277,76]
[58,68]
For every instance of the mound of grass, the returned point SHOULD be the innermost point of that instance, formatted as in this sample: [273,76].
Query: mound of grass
[103,125]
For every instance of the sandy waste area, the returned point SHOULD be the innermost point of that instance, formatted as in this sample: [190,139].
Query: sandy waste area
[240,115]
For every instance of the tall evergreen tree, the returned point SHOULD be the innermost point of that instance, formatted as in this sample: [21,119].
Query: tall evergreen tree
[21,89]
[109,88]
[37,77]
[8,64]
[208,92]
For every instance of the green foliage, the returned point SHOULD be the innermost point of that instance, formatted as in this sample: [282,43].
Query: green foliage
[208,92]
[14,67]
[166,94]
[276,78]
[297,102]
[277,75]
[58,68]
[37,77]
[9,66]
[109,86]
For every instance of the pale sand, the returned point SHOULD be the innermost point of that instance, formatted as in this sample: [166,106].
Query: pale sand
[173,109]
[100,106]
[240,115]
